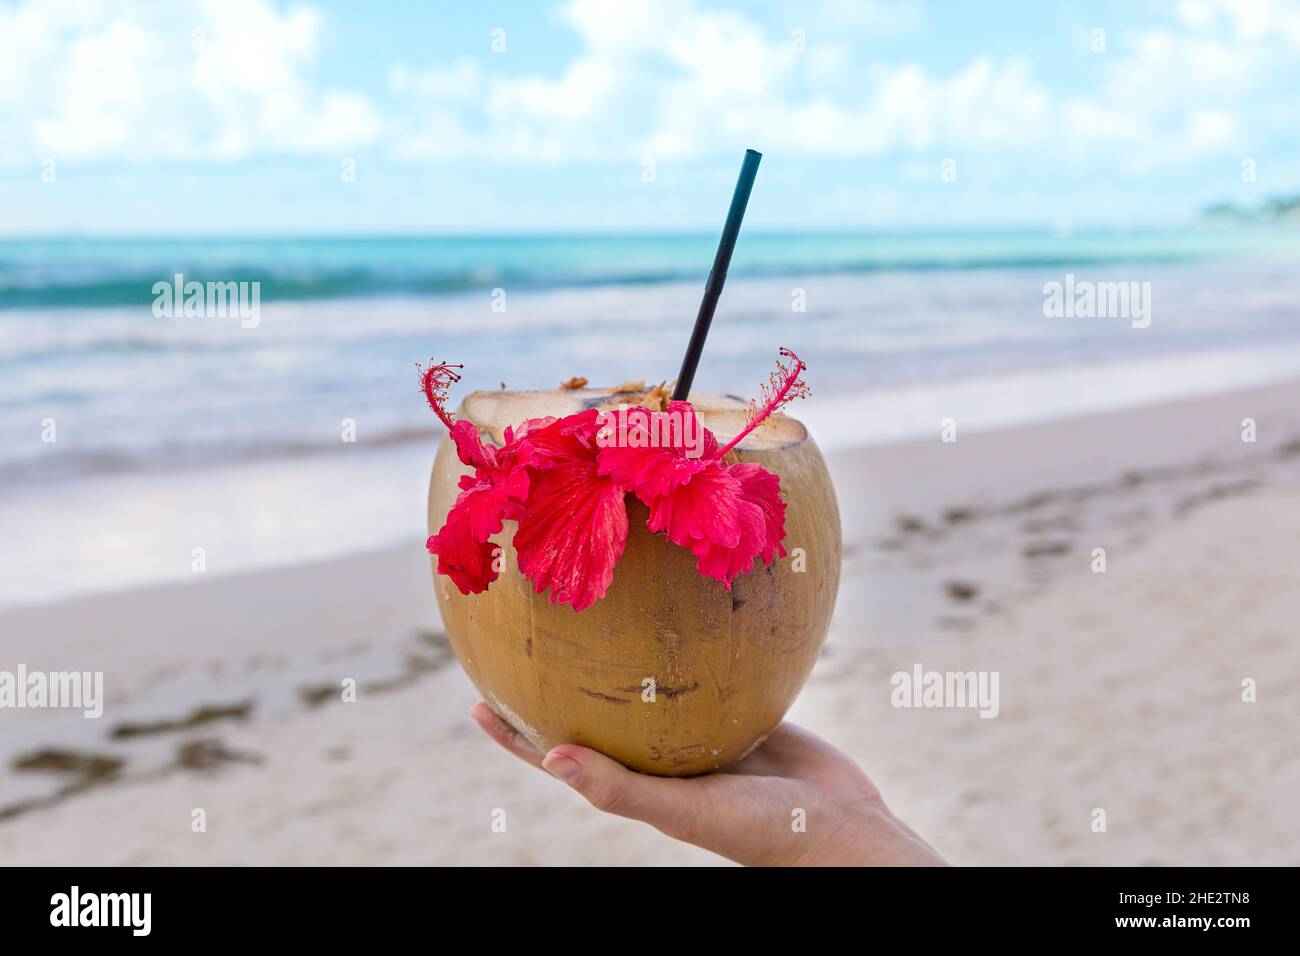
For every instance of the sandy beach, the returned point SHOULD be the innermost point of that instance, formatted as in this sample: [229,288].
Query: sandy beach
[1119,690]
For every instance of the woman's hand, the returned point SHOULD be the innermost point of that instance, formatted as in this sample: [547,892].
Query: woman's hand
[794,801]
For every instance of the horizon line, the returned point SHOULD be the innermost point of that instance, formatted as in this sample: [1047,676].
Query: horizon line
[1046,230]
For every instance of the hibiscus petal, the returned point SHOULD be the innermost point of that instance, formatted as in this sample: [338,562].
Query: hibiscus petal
[727,516]
[760,486]
[499,486]
[527,425]
[654,452]
[469,446]
[562,440]
[725,563]
[706,507]
[690,424]
[572,533]
[483,507]
[650,472]
[463,556]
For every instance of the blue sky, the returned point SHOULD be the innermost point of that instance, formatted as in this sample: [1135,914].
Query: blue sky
[243,116]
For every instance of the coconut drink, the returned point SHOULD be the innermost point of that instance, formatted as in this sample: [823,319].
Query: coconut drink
[690,653]
[639,573]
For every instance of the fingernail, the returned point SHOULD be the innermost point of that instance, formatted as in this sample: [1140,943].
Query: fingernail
[566,768]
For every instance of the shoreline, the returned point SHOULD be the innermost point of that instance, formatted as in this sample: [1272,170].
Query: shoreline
[222,693]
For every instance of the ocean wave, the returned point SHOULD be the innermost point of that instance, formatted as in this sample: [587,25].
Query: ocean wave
[54,275]
[137,289]
[186,455]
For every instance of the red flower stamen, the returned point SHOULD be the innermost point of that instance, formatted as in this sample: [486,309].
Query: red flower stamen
[783,386]
[434,383]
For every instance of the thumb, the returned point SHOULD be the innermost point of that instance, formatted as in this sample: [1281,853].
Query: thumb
[665,803]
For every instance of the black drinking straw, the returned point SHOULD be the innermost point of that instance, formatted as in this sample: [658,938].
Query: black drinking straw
[718,274]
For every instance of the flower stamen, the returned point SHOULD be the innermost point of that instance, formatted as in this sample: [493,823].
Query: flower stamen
[783,386]
[435,382]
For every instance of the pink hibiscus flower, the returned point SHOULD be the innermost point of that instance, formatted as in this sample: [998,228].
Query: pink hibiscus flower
[564,480]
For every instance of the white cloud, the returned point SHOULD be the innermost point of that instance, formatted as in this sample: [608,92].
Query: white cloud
[463,80]
[670,79]
[1196,13]
[676,80]
[1257,19]
[1205,86]
[203,80]
[101,88]
[673,80]
[879,17]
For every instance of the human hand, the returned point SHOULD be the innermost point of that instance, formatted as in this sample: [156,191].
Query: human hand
[747,811]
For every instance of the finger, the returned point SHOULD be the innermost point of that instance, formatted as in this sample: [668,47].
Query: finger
[666,803]
[504,734]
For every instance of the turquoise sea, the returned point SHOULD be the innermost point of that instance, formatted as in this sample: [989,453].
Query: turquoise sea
[343,321]
[100,273]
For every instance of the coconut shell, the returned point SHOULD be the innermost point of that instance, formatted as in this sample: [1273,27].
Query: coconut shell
[669,673]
